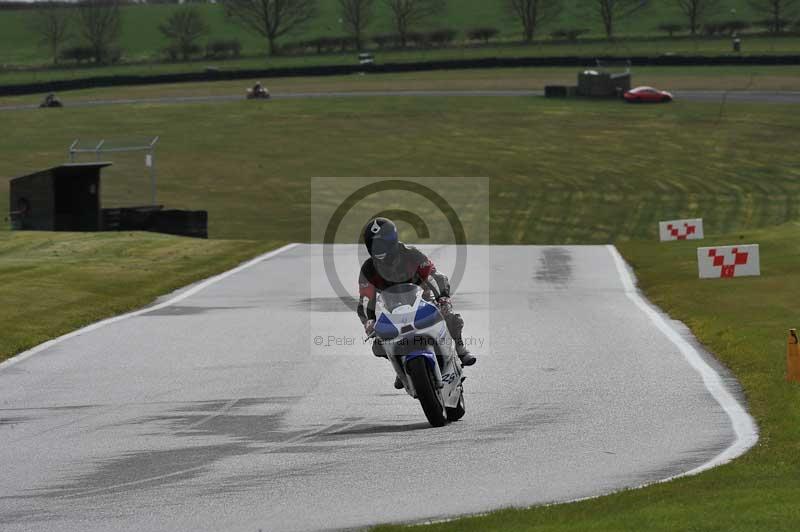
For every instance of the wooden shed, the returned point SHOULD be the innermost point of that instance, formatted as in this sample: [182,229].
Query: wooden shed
[62,198]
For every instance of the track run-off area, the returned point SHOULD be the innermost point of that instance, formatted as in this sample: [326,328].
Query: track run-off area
[217,408]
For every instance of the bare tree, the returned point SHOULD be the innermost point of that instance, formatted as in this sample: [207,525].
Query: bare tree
[696,11]
[183,28]
[409,13]
[610,11]
[532,13]
[271,18]
[51,23]
[356,15]
[100,24]
[778,12]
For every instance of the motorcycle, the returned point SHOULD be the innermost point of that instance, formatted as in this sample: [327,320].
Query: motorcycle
[414,335]
[51,100]
[258,94]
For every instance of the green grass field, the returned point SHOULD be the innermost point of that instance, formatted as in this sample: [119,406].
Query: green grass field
[562,172]
[142,42]
[620,48]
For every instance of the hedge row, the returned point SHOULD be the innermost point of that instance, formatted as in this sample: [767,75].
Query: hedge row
[81,54]
[219,49]
[440,37]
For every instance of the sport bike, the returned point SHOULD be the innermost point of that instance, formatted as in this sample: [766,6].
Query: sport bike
[414,335]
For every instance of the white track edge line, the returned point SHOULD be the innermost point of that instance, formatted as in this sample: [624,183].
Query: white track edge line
[744,426]
[180,297]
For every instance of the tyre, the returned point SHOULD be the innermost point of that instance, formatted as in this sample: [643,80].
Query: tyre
[430,398]
[454,414]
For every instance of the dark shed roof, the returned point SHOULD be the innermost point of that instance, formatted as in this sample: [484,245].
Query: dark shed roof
[68,169]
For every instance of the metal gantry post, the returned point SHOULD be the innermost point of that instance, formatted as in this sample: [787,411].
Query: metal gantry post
[99,150]
[153,169]
[72,148]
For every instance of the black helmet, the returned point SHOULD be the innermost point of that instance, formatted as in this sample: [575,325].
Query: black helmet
[381,239]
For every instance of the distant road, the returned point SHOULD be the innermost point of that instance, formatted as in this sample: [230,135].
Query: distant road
[703,96]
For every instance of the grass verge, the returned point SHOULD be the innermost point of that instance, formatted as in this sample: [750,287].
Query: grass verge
[53,283]
[744,322]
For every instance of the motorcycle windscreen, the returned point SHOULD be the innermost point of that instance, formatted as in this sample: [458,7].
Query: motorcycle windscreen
[400,295]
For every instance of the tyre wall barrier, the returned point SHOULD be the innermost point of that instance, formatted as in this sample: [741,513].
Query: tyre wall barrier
[156,219]
[556,91]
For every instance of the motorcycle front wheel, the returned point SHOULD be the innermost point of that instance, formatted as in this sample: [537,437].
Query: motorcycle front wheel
[429,396]
[454,414]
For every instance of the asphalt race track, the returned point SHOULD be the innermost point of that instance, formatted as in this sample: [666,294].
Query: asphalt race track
[785,97]
[215,410]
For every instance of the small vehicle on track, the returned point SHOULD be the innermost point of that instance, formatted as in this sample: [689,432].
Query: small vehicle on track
[417,343]
[365,59]
[51,100]
[647,95]
[258,92]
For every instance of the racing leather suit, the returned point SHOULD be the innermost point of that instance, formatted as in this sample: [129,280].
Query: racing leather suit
[409,265]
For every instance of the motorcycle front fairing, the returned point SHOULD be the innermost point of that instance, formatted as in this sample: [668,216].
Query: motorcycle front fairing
[411,327]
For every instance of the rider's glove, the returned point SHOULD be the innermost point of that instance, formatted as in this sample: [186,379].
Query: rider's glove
[369,327]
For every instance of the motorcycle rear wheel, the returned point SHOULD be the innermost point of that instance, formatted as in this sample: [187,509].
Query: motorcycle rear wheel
[429,396]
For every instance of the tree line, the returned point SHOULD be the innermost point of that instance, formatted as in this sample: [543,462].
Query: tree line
[274,18]
[97,23]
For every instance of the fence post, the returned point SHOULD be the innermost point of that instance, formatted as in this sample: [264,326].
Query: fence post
[793,357]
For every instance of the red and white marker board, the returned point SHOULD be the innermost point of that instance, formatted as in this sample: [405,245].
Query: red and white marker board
[681,229]
[728,261]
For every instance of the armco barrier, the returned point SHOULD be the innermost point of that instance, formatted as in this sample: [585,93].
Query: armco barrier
[340,70]
[156,218]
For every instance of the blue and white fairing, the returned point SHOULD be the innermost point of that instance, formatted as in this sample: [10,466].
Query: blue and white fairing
[411,327]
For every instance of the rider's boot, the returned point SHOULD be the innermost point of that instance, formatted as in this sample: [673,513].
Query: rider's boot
[467,358]
[455,324]
[398,384]
[378,350]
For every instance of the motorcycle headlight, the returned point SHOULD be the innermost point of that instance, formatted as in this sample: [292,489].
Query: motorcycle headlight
[427,314]
[385,329]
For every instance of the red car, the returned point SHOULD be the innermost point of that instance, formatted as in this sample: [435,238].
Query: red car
[647,94]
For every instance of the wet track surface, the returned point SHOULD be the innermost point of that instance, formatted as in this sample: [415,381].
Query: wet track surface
[703,96]
[218,412]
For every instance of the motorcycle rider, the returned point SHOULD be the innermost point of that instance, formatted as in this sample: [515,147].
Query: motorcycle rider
[392,262]
[51,100]
[258,91]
